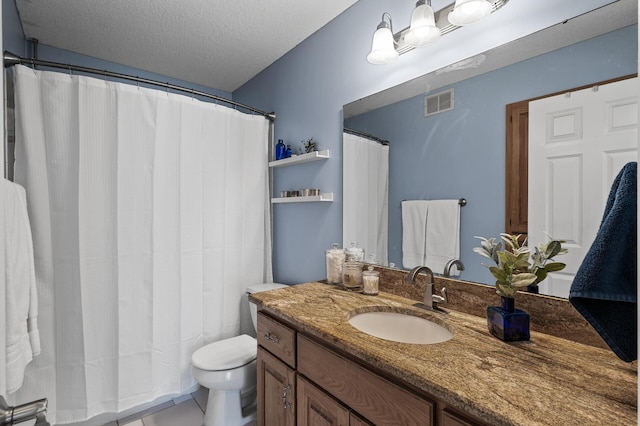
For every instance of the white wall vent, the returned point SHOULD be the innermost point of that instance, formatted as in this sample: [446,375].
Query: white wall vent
[440,102]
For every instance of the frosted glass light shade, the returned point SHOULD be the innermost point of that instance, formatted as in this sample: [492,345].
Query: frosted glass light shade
[423,28]
[469,11]
[382,49]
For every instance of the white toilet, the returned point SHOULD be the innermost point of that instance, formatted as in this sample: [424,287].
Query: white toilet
[228,369]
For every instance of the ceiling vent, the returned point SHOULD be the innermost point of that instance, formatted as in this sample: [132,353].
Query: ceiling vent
[440,102]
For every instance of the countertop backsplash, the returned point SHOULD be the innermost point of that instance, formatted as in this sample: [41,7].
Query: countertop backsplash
[550,315]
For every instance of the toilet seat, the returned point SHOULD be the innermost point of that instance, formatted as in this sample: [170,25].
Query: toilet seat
[226,354]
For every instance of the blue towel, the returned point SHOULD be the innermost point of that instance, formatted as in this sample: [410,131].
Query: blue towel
[605,290]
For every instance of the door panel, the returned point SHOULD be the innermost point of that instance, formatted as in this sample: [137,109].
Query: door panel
[578,142]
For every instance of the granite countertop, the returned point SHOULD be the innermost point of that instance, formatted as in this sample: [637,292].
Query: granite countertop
[545,381]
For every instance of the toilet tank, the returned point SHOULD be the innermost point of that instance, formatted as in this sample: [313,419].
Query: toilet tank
[257,289]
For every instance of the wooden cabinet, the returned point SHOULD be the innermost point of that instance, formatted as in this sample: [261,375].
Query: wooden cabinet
[301,381]
[316,408]
[373,397]
[276,391]
[277,338]
[451,418]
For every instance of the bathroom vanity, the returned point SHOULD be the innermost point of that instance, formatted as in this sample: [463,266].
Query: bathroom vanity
[315,368]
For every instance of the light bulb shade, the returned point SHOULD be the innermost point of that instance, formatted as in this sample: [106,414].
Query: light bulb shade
[382,49]
[423,28]
[469,11]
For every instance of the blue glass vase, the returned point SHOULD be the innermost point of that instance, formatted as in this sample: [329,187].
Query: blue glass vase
[281,150]
[506,322]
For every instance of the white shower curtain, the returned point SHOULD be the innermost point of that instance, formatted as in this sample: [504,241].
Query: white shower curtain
[365,195]
[150,218]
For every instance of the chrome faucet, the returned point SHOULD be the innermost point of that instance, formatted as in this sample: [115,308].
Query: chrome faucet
[430,300]
[452,262]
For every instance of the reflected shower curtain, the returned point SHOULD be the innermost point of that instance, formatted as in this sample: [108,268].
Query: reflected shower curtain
[150,218]
[365,218]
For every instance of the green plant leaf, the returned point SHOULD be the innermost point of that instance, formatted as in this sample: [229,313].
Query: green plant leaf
[499,273]
[553,248]
[524,279]
[541,274]
[482,252]
[554,266]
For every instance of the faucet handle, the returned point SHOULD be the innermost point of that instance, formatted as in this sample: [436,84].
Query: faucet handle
[440,299]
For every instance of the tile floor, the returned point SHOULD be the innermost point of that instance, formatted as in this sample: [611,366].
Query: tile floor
[187,410]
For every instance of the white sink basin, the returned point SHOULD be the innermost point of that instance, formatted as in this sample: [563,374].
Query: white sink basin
[398,327]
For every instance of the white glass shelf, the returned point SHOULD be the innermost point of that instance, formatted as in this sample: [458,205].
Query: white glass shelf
[328,197]
[300,159]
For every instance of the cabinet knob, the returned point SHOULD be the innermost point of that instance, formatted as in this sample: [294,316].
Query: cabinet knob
[271,337]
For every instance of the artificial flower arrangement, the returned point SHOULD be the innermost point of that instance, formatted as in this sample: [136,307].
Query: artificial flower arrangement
[513,269]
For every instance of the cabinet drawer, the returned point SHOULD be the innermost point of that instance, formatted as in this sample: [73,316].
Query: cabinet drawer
[372,396]
[277,338]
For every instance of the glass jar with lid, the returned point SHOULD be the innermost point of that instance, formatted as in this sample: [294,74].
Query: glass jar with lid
[352,276]
[370,281]
[335,258]
[355,253]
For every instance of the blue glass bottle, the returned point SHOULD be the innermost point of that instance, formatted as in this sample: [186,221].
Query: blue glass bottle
[288,152]
[280,150]
[506,322]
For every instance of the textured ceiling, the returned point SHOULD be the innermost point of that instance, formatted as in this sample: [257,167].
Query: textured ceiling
[216,43]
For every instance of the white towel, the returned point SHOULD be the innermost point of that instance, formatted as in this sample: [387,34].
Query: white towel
[21,300]
[442,235]
[414,232]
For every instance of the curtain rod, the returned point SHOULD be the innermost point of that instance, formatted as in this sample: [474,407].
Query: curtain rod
[11,59]
[366,135]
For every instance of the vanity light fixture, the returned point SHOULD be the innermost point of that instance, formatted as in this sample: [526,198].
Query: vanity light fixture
[426,27]
[423,29]
[466,12]
[383,50]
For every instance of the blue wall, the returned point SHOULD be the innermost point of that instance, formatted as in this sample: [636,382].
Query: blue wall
[308,87]
[461,153]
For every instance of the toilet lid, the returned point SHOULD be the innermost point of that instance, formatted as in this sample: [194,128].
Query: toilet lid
[226,354]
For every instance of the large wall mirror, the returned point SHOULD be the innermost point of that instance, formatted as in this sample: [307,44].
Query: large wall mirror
[460,153]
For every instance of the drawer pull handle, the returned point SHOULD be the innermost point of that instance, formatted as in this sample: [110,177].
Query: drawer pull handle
[286,404]
[271,337]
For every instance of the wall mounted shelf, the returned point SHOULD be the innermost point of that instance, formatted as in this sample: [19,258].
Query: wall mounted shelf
[328,197]
[300,159]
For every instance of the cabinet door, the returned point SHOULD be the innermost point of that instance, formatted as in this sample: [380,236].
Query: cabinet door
[276,391]
[316,408]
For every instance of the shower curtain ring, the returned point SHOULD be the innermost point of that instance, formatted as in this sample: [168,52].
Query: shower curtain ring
[70,71]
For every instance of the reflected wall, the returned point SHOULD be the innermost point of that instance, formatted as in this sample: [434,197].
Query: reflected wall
[461,153]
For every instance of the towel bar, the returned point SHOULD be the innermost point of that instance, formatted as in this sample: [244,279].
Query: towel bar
[461,201]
